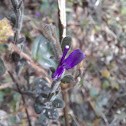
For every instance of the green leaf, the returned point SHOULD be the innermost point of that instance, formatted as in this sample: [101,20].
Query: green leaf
[67,79]
[38,108]
[51,113]
[105,84]
[42,87]
[115,85]
[42,119]
[123,11]
[58,103]
[81,82]
[42,50]
[66,41]
[2,68]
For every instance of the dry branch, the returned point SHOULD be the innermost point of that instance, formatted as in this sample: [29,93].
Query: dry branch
[34,65]
[7,85]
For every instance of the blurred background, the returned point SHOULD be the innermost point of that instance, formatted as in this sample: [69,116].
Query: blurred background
[98,29]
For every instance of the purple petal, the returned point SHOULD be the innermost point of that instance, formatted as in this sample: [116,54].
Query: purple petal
[58,73]
[73,59]
[66,49]
[37,14]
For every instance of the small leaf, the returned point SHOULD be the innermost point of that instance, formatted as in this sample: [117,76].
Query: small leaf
[42,50]
[10,39]
[40,81]
[66,41]
[15,57]
[20,65]
[58,103]
[2,67]
[51,113]
[21,40]
[38,108]
[105,84]
[42,87]
[24,122]
[13,18]
[40,100]
[67,79]
[52,70]
[105,73]
[43,120]
[115,85]
[43,92]
[23,61]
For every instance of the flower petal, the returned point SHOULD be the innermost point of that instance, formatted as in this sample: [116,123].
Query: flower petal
[73,59]
[37,14]
[66,49]
[58,73]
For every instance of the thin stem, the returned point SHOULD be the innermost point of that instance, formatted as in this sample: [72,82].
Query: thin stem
[18,10]
[62,30]
[7,85]
[23,98]
[64,93]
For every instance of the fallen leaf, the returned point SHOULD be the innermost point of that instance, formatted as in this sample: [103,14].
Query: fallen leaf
[105,73]
[5,31]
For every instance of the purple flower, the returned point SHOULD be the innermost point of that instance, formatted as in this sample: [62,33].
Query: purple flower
[72,60]
[37,14]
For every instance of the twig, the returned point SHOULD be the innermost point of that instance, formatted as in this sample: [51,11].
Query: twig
[64,93]
[23,99]
[74,118]
[49,32]
[7,85]
[105,119]
[29,60]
